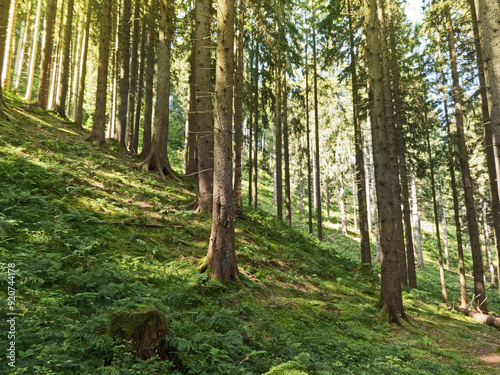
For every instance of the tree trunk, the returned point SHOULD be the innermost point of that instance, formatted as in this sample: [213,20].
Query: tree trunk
[140,87]
[308,145]
[278,180]
[9,44]
[342,205]
[488,45]
[456,209]
[190,158]
[221,257]
[56,75]
[286,155]
[238,112]
[31,73]
[4,14]
[385,172]
[21,47]
[62,91]
[443,220]
[157,158]
[124,50]
[436,216]
[83,69]
[204,114]
[148,97]
[99,125]
[316,130]
[360,184]
[256,128]
[486,233]
[477,259]
[132,92]
[114,73]
[416,221]
[250,125]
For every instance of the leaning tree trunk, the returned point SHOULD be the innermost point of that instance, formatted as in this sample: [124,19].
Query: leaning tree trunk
[238,113]
[124,50]
[65,63]
[157,158]
[99,125]
[385,160]
[477,258]
[221,257]
[204,114]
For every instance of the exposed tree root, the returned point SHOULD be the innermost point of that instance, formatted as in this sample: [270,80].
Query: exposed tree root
[480,317]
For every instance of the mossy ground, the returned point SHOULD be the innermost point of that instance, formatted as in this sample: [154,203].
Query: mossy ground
[304,308]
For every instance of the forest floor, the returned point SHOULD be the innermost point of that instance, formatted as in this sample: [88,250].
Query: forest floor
[106,278]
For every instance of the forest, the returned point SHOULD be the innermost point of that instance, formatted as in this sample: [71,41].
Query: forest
[250,186]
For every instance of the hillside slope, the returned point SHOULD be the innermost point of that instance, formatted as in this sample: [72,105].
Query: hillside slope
[106,279]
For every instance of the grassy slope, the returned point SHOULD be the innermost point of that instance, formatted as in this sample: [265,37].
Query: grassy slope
[304,308]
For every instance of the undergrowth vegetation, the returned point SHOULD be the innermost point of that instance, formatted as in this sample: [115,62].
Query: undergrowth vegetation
[107,282]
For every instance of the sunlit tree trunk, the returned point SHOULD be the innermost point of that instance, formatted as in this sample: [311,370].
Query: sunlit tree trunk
[286,153]
[31,73]
[21,47]
[278,177]
[456,208]
[114,72]
[99,125]
[416,221]
[83,68]
[4,14]
[9,44]
[250,125]
[221,257]
[343,214]
[385,161]
[488,43]
[56,66]
[477,258]
[486,233]
[443,220]
[62,91]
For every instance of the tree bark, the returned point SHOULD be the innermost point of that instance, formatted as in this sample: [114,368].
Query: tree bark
[278,180]
[9,44]
[364,230]
[132,92]
[148,99]
[443,220]
[83,69]
[190,157]
[488,44]
[140,86]
[204,114]
[62,91]
[4,14]
[477,258]
[221,257]
[385,172]
[316,131]
[416,221]
[124,50]
[31,72]
[256,129]
[99,125]
[308,144]
[238,112]
[157,158]
[286,153]
[250,125]
[21,48]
